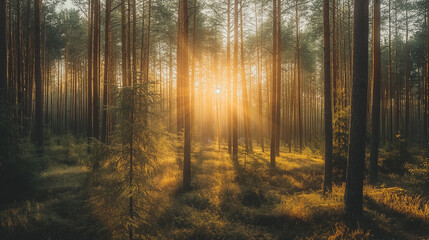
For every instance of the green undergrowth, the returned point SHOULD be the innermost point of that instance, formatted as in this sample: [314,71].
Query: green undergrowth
[57,208]
[248,200]
[244,199]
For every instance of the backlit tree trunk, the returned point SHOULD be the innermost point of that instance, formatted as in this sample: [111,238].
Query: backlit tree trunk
[107,39]
[376,78]
[273,148]
[95,69]
[183,79]
[327,180]
[246,117]
[235,88]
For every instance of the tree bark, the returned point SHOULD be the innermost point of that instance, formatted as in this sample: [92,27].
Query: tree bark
[246,118]
[234,88]
[355,163]
[389,79]
[300,127]
[107,39]
[89,73]
[228,77]
[194,54]
[273,90]
[327,180]
[407,83]
[279,76]
[124,44]
[259,80]
[376,79]
[4,141]
[427,78]
[95,69]
[183,78]
[38,132]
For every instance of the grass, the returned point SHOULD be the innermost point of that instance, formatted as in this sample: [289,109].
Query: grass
[58,209]
[229,200]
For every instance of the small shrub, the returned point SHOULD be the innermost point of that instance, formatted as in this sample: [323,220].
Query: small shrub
[308,153]
[397,155]
[340,141]
[420,174]
[68,141]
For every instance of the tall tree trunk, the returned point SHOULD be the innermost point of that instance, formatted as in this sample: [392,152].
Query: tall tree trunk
[183,79]
[131,173]
[28,71]
[389,79]
[19,80]
[107,39]
[259,81]
[407,83]
[228,76]
[147,52]
[142,46]
[129,50]
[298,60]
[170,87]
[278,76]
[124,44]
[246,117]
[194,54]
[134,61]
[38,132]
[427,78]
[397,79]
[334,55]
[355,163]
[234,88]
[274,92]
[89,73]
[376,79]
[4,139]
[66,71]
[95,69]
[327,180]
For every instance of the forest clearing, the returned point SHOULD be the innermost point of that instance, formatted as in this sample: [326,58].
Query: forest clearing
[207,119]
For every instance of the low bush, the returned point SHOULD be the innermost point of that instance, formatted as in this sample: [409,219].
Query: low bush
[397,155]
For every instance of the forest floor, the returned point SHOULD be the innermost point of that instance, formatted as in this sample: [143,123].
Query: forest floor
[58,209]
[229,200]
[248,200]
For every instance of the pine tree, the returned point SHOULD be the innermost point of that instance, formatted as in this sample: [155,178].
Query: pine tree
[273,148]
[107,72]
[183,79]
[327,180]
[4,141]
[234,87]
[376,76]
[38,132]
[355,164]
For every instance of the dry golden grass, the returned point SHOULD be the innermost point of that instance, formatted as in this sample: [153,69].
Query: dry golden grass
[400,201]
[229,200]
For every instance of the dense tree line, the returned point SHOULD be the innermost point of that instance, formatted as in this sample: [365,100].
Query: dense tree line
[296,75]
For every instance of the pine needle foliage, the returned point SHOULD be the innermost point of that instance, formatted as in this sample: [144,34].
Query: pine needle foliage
[123,182]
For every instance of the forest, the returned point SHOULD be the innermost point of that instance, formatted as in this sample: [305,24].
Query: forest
[214,119]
